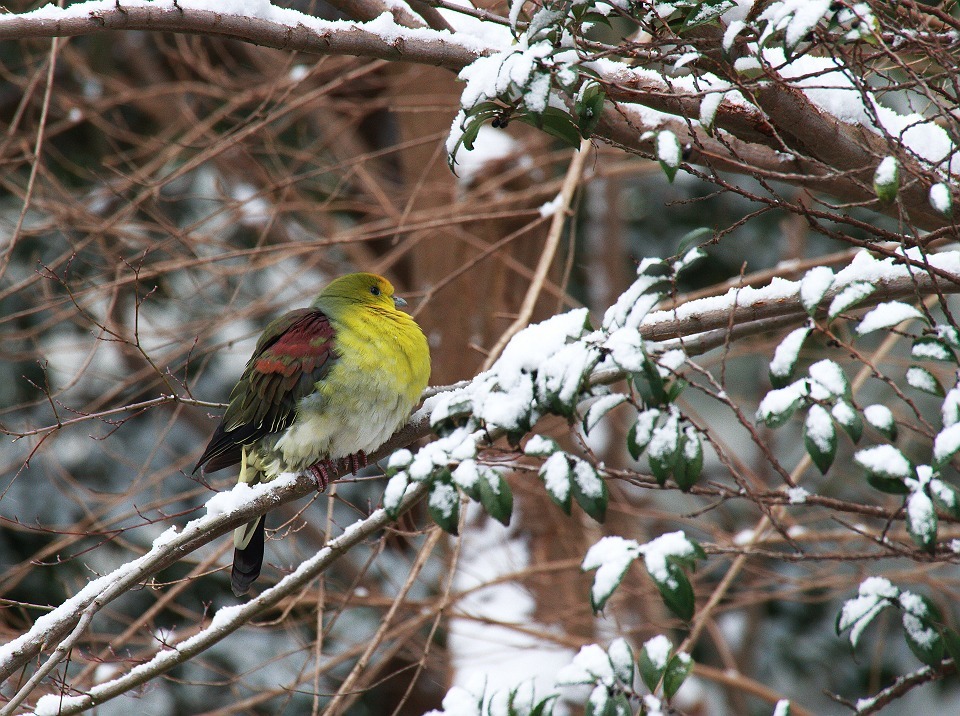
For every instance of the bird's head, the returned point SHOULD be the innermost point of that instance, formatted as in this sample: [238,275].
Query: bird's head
[365,289]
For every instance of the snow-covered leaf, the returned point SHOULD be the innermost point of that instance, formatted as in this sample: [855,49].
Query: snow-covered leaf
[923,380]
[886,179]
[653,660]
[930,348]
[589,489]
[945,496]
[611,557]
[396,488]
[820,437]
[669,153]
[880,417]
[885,460]
[779,405]
[849,419]
[641,432]
[785,357]
[850,296]
[678,669]
[921,519]
[873,596]
[600,408]
[540,446]
[922,636]
[946,445]
[887,314]
[663,557]
[830,376]
[557,476]
[444,506]
[495,495]
[621,658]
[689,459]
[664,446]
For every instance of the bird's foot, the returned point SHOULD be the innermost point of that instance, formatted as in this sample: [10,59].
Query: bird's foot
[355,462]
[321,473]
[321,470]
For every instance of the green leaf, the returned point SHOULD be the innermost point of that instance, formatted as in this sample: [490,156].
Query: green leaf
[678,668]
[689,460]
[589,107]
[951,642]
[556,123]
[649,384]
[697,237]
[890,485]
[495,496]
[544,707]
[820,437]
[598,702]
[924,640]
[589,490]
[444,506]
[676,592]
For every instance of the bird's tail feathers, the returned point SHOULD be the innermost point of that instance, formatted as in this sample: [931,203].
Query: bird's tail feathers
[247,555]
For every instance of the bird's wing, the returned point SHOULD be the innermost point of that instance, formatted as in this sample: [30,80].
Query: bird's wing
[293,353]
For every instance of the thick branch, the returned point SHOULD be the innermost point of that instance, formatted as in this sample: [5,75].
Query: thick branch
[381,41]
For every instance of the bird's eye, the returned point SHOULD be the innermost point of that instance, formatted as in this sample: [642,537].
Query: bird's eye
[375,290]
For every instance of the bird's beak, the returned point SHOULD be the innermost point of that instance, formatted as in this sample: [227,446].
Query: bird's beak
[399,302]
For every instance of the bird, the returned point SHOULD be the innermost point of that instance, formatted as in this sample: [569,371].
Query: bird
[325,386]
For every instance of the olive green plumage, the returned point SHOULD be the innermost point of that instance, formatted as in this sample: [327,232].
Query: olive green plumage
[324,383]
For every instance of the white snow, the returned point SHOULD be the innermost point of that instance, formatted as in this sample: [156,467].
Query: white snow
[656,552]
[540,446]
[797,495]
[782,708]
[495,640]
[921,516]
[879,416]
[941,199]
[814,286]
[658,651]
[589,665]
[873,596]
[830,375]
[887,172]
[795,17]
[668,149]
[884,460]
[819,428]
[950,410]
[778,401]
[551,207]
